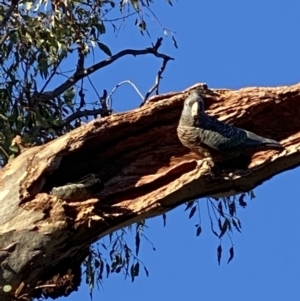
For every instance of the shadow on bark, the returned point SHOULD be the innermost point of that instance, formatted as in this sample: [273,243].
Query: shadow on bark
[144,172]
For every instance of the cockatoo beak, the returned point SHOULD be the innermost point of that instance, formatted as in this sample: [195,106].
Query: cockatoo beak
[195,109]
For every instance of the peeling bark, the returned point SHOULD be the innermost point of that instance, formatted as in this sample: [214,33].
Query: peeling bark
[144,171]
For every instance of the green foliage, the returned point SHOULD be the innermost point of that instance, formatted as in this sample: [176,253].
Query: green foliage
[223,213]
[115,256]
[37,36]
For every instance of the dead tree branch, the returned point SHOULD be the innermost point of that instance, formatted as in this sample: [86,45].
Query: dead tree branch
[81,73]
[157,80]
[144,172]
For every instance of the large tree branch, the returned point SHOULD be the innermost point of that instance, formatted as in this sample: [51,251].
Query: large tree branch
[144,170]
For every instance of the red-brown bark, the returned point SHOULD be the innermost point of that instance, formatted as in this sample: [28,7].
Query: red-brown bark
[144,170]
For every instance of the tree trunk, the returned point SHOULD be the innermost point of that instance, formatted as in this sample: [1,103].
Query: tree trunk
[144,171]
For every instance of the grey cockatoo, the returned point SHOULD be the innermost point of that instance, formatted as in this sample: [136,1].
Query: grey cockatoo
[212,138]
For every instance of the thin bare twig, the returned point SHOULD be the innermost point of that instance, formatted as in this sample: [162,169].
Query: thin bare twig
[159,22]
[122,83]
[157,81]
[120,18]
[91,83]
[51,76]
[102,100]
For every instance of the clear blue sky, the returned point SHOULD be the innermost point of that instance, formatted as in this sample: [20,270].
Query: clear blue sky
[230,44]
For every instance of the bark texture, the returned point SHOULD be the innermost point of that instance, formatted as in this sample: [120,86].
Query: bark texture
[144,171]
